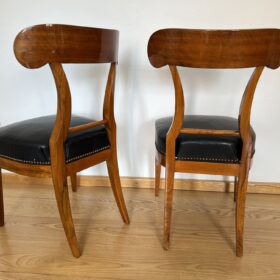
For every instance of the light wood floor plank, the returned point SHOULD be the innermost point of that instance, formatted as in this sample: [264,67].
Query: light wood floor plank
[33,245]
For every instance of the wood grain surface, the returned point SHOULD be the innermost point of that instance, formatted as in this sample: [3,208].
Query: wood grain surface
[33,244]
[206,48]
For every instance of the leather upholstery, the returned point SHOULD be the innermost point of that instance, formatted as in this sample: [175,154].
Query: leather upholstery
[206,148]
[28,141]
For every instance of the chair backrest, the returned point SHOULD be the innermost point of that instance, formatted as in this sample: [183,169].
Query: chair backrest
[215,48]
[55,44]
[41,44]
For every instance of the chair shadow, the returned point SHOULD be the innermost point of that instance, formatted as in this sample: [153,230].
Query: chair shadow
[86,224]
[214,220]
[82,231]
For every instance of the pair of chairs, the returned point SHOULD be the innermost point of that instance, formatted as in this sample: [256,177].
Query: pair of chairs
[62,145]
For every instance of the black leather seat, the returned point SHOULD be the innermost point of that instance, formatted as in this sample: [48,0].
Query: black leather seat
[206,148]
[28,141]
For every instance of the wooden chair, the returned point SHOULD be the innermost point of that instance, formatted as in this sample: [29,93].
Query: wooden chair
[62,145]
[209,144]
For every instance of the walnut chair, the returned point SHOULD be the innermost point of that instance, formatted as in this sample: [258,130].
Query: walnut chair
[217,145]
[63,144]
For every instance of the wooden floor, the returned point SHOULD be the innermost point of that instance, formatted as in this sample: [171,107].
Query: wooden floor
[33,245]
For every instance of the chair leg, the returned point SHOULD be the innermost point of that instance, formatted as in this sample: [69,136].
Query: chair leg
[169,182]
[74,182]
[1,202]
[240,208]
[113,170]
[157,176]
[63,203]
[235,188]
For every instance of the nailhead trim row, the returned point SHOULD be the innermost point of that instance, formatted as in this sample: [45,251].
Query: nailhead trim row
[207,159]
[202,159]
[27,161]
[87,154]
[48,162]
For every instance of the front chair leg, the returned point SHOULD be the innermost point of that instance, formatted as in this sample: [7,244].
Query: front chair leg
[169,182]
[73,178]
[113,170]
[63,204]
[157,176]
[240,208]
[1,202]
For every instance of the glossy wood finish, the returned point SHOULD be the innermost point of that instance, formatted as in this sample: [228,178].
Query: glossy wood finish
[42,44]
[171,136]
[247,154]
[56,143]
[84,163]
[212,49]
[210,168]
[86,126]
[112,161]
[53,45]
[25,169]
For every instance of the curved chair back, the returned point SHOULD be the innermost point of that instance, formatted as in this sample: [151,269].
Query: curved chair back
[215,48]
[55,44]
[41,44]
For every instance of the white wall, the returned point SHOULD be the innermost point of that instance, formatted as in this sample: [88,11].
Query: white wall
[142,92]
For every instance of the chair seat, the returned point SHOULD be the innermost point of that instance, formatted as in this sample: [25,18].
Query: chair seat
[28,141]
[205,148]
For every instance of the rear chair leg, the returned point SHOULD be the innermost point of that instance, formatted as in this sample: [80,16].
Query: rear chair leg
[169,181]
[235,188]
[73,178]
[157,177]
[113,170]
